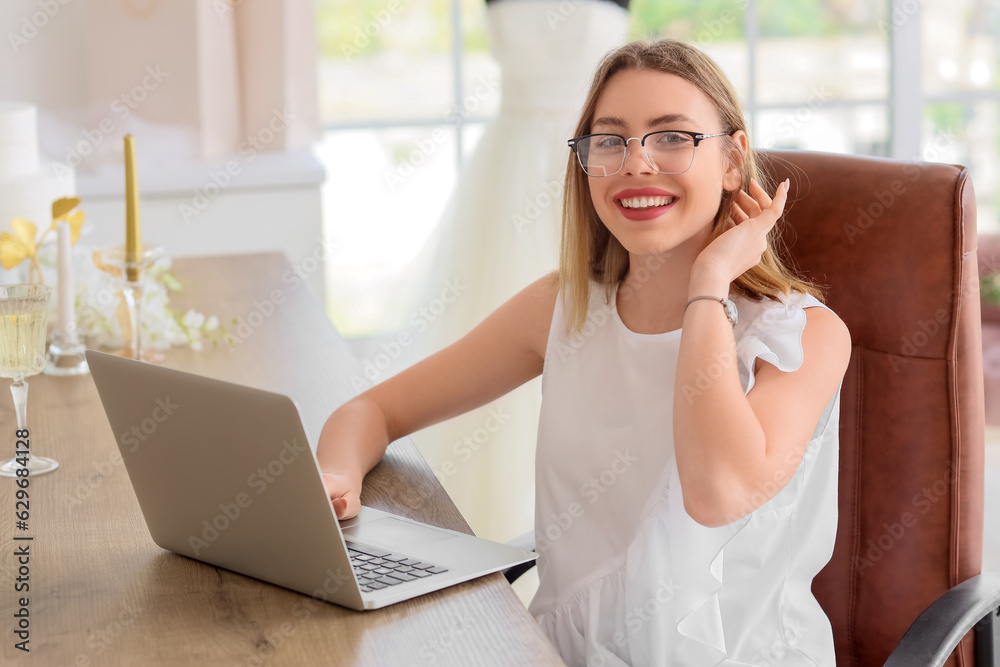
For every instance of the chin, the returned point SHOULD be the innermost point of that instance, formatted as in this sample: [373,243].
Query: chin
[642,247]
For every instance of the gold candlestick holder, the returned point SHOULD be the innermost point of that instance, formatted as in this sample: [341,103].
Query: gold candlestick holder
[132,277]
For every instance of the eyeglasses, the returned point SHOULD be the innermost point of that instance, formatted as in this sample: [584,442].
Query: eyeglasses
[668,151]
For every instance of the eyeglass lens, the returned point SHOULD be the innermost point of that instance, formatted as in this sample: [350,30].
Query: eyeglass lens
[666,152]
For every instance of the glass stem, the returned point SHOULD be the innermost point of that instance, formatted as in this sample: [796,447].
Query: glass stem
[19,390]
[133,299]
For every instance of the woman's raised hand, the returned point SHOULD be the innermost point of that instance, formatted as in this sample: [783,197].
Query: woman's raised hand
[742,245]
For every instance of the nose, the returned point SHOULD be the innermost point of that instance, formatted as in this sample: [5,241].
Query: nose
[643,165]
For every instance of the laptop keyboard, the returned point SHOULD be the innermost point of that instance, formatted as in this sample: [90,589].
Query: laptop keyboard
[377,569]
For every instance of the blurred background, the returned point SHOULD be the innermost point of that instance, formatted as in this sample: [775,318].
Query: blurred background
[846,76]
[337,129]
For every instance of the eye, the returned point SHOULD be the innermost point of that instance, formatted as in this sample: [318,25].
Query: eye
[673,139]
[606,142]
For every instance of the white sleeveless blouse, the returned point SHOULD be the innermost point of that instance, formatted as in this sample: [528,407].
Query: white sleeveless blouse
[626,576]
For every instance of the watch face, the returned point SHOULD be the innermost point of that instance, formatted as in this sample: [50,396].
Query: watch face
[731,311]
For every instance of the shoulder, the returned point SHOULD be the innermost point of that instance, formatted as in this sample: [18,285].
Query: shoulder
[824,331]
[822,337]
[826,339]
[527,316]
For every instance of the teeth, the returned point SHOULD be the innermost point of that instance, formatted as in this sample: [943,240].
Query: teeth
[646,202]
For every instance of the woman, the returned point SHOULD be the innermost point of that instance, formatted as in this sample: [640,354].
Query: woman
[686,473]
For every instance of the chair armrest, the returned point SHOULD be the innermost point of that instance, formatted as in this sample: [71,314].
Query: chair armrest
[936,632]
[525,541]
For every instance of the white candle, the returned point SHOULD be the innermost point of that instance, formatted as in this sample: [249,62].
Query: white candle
[67,312]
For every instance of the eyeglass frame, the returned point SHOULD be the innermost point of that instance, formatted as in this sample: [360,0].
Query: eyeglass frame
[696,138]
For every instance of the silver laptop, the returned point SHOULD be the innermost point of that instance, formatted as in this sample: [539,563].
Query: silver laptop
[226,475]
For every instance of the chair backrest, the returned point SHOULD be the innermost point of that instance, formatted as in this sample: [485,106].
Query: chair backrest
[895,244]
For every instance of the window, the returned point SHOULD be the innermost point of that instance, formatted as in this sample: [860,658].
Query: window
[960,109]
[812,75]
[899,78]
[406,86]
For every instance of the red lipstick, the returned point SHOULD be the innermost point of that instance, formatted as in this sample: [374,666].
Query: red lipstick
[643,213]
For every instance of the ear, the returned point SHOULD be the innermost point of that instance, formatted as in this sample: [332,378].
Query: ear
[732,177]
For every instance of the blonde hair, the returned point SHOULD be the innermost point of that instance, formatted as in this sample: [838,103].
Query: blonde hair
[589,251]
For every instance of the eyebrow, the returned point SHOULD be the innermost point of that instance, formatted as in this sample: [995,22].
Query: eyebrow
[659,120]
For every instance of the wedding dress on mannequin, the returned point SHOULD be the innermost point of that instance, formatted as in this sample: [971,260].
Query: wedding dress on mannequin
[500,232]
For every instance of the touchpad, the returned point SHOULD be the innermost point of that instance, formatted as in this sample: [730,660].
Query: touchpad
[394,534]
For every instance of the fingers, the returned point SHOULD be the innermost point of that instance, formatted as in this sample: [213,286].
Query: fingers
[340,506]
[781,196]
[754,206]
[346,506]
[747,204]
[738,214]
[759,194]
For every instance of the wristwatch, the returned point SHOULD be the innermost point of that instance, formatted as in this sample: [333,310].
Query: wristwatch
[731,314]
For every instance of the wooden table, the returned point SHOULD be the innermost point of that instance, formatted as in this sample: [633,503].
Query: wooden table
[102,593]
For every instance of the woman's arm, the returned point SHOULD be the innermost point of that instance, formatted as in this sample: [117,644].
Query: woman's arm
[501,353]
[734,451]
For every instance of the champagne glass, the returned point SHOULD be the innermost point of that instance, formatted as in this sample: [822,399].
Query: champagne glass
[24,310]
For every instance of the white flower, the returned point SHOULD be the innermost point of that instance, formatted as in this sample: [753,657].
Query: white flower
[98,296]
[193,319]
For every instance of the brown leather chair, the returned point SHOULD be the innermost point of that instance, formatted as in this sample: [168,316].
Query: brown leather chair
[894,243]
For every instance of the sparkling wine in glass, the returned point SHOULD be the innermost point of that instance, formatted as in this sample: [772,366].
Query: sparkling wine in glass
[23,317]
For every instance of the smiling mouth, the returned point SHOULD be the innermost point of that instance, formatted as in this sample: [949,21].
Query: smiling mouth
[641,203]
